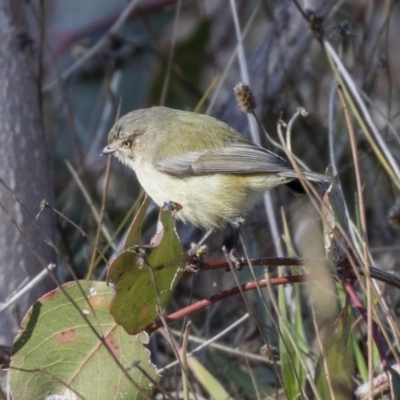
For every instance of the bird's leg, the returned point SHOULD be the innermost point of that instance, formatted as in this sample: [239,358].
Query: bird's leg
[234,263]
[236,223]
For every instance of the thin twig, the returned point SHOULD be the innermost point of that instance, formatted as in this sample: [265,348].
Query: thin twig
[364,238]
[209,342]
[100,222]
[27,287]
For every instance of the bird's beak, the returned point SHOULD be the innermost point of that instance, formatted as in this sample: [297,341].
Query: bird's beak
[108,150]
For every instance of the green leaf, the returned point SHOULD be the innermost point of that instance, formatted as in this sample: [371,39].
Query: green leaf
[293,374]
[58,353]
[145,277]
[335,368]
[214,388]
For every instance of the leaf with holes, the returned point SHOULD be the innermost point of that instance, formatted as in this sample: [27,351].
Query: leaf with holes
[70,346]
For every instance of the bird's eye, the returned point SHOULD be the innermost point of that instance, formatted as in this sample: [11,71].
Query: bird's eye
[127,144]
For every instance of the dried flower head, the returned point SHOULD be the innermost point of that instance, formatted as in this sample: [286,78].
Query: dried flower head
[245,97]
[270,352]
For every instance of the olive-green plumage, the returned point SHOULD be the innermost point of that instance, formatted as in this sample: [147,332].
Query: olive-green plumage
[212,171]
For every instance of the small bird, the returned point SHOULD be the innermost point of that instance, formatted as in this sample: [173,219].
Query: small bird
[211,172]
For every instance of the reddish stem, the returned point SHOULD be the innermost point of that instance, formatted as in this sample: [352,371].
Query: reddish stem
[231,292]
[375,329]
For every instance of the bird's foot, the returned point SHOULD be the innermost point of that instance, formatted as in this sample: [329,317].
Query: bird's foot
[237,222]
[197,254]
[234,262]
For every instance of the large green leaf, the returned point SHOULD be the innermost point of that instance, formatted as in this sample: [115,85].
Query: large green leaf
[58,353]
[145,277]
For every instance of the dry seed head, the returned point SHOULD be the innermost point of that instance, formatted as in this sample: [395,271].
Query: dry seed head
[245,97]
[270,352]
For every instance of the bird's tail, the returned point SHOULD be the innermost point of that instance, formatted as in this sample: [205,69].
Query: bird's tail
[309,175]
[315,177]
[296,186]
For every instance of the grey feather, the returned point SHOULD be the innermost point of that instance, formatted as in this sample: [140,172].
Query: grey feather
[237,157]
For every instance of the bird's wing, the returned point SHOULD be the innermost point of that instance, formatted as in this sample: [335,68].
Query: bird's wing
[237,157]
